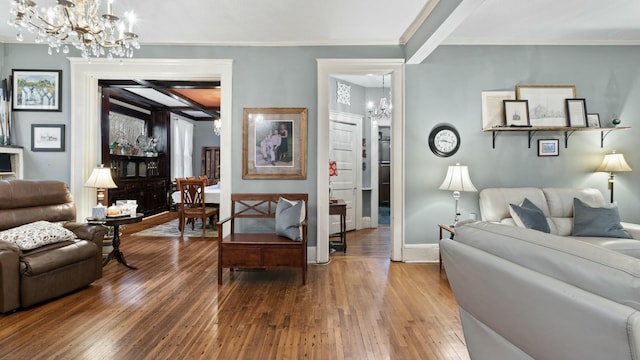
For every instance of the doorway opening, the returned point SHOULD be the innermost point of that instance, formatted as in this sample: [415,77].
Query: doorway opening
[361,67]
[85,124]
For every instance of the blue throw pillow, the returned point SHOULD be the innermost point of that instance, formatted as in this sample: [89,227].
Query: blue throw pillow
[602,222]
[530,216]
[288,219]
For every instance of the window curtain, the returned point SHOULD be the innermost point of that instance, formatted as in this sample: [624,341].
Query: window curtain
[181,148]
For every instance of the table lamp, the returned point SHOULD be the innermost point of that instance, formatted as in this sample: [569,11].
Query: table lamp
[457,180]
[101,180]
[613,163]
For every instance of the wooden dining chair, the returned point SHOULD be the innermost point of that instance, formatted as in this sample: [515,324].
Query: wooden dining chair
[192,205]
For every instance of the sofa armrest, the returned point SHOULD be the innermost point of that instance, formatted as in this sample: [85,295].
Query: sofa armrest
[632,229]
[9,276]
[91,232]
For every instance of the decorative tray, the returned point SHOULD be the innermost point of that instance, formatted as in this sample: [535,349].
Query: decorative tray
[118,216]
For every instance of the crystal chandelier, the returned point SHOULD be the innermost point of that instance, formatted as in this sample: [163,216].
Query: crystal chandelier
[76,23]
[217,126]
[383,111]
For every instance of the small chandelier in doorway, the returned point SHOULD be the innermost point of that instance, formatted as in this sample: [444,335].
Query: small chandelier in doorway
[383,111]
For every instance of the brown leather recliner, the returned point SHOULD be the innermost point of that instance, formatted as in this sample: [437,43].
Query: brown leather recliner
[33,276]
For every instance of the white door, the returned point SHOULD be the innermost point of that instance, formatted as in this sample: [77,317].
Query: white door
[344,139]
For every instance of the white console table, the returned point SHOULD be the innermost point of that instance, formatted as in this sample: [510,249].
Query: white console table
[17,162]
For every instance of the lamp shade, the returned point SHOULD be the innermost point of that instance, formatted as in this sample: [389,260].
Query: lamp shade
[100,178]
[458,179]
[614,163]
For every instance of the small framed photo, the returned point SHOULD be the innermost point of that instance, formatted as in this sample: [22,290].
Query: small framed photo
[577,112]
[548,147]
[593,120]
[47,137]
[516,112]
[37,90]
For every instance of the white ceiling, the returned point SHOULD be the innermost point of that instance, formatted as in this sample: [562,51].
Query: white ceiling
[374,22]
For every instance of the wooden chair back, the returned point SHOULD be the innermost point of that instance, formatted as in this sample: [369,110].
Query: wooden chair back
[192,205]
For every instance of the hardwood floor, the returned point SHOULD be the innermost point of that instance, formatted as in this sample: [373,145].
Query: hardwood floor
[359,306]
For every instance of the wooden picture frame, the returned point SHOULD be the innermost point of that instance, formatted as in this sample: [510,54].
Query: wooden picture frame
[547,106]
[516,113]
[493,108]
[593,120]
[274,143]
[47,137]
[577,112]
[36,90]
[548,147]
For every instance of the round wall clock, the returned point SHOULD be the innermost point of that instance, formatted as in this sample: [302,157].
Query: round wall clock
[444,140]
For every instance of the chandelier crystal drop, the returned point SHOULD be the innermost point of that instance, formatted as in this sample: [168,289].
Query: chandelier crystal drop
[76,23]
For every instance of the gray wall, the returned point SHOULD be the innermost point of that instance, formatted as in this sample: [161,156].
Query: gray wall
[262,77]
[445,88]
[203,135]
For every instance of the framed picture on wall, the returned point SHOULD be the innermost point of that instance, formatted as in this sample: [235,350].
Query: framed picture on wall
[47,137]
[516,112]
[548,147]
[577,112]
[274,143]
[546,103]
[37,90]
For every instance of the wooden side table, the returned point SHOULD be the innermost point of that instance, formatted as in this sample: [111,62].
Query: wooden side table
[116,222]
[339,208]
[452,232]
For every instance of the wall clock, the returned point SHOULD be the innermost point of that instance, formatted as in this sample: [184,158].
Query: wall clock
[444,140]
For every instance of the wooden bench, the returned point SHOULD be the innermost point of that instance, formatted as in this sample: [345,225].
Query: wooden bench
[260,250]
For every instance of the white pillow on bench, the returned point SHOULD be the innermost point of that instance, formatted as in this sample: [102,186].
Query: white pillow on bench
[289,215]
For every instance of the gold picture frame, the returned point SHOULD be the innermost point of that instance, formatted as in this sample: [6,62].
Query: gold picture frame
[274,143]
[547,107]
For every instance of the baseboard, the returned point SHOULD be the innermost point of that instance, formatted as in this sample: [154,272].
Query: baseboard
[366,222]
[429,253]
[421,253]
[312,254]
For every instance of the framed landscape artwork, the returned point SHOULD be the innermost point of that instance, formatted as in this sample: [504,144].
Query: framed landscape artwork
[37,90]
[546,103]
[274,143]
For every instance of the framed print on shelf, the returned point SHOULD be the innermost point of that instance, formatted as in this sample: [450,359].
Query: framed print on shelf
[546,103]
[46,137]
[493,108]
[516,112]
[274,143]
[548,147]
[593,120]
[577,112]
[37,90]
